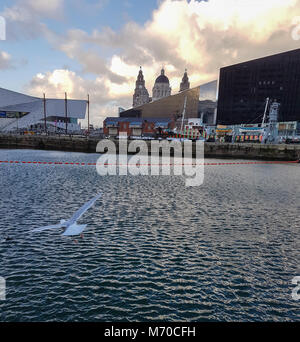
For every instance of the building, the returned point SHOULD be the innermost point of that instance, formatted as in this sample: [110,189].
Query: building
[137,127]
[21,112]
[207,112]
[141,95]
[161,87]
[185,84]
[199,102]
[289,129]
[209,91]
[168,107]
[244,88]
[208,103]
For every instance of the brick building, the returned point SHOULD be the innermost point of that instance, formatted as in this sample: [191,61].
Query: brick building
[113,126]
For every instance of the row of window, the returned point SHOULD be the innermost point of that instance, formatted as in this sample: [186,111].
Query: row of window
[12,115]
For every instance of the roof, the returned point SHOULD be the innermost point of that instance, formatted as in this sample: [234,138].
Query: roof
[162,78]
[22,107]
[9,97]
[295,52]
[113,121]
[15,102]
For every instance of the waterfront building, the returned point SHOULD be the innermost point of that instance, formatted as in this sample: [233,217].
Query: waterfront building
[137,127]
[161,87]
[141,95]
[21,112]
[208,103]
[207,112]
[289,129]
[168,107]
[200,101]
[244,88]
[185,84]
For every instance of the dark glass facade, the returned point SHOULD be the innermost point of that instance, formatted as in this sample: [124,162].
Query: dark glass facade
[244,88]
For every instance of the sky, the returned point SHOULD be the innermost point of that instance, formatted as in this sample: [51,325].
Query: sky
[96,47]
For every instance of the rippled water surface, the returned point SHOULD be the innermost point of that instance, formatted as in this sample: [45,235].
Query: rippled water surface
[154,249]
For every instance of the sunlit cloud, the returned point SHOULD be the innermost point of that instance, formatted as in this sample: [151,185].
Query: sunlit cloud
[5,61]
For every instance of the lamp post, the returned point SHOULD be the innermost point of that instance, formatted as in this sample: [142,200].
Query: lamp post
[88,103]
[66,112]
[45,120]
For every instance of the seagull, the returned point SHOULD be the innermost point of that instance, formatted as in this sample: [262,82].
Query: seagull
[71,226]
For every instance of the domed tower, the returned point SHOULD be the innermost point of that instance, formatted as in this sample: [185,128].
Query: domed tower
[141,95]
[161,87]
[185,84]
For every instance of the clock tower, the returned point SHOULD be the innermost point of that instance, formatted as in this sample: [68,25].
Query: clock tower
[185,84]
[141,95]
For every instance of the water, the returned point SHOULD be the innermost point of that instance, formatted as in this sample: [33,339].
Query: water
[154,250]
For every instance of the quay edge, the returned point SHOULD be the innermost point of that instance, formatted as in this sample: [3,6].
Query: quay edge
[212,150]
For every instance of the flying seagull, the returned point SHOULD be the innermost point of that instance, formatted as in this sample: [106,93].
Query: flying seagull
[71,226]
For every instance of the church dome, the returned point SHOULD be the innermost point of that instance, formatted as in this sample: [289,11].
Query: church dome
[162,78]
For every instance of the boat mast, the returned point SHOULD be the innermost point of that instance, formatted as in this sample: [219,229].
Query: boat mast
[183,113]
[265,113]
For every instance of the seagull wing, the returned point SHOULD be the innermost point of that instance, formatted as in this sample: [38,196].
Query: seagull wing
[83,209]
[41,229]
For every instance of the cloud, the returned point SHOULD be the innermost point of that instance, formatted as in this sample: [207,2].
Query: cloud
[55,83]
[200,35]
[47,9]
[5,61]
[25,18]
[76,46]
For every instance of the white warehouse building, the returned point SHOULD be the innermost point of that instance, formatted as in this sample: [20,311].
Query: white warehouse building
[21,112]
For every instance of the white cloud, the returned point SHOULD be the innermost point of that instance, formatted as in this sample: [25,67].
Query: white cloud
[25,17]
[45,8]
[5,61]
[54,84]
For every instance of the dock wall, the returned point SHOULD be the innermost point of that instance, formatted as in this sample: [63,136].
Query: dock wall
[212,150]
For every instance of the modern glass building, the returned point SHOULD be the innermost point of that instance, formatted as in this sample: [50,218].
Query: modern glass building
[244,88]
[208,103]
[19,111]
